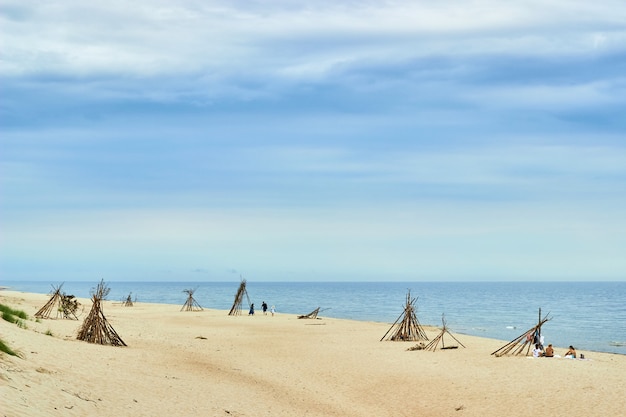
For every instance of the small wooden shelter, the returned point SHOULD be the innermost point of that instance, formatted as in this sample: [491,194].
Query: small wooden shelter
[191,304]
[64,305]
[440,338]
[96,328]
[235,310]
[525,340]
[407,327]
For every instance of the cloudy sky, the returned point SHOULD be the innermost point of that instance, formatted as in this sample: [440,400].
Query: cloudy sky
[313,140]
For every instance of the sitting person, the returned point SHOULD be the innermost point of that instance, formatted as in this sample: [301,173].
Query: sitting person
[571,353]
[549,353]
[537,351]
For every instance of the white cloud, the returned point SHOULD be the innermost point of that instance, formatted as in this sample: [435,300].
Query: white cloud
[158,37]
[380,136]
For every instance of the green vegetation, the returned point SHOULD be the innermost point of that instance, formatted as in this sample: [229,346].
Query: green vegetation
[13,316]
[4,348]
[6,310]
[49,332]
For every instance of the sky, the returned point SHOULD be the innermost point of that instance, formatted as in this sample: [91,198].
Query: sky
[318,140]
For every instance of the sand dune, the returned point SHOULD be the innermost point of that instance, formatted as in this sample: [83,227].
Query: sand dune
[210,364]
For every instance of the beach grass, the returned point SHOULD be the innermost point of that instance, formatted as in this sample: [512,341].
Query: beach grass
[8,312]
[6,349]
[11,315]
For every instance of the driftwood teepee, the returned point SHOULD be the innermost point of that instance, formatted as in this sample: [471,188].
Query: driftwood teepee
[525,340]
[235,310]
[191,304]
[435,342]
[407,327]
[96,328]
[64,305]
[129,301]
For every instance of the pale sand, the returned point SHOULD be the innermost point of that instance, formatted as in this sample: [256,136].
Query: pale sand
[282,366]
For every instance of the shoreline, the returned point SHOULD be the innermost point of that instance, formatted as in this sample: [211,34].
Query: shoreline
[87,302]
[209,363]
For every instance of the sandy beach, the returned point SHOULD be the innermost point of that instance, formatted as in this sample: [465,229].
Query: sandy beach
[206,363]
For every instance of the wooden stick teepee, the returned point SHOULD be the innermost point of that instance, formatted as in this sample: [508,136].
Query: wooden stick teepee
[526,339]
[235,310]
[64,305]
[433,344]
[128,302]
[407,327]
[191,304]
[96,328]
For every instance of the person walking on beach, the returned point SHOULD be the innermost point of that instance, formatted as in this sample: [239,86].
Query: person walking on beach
[251,312]
[273,310]
[264,307]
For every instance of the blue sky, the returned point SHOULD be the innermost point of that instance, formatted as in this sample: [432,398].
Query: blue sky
[325,140]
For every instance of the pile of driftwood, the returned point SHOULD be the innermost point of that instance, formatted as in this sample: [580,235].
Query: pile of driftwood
[65,305]
[96,328]
[312,315]
[419,346]
[407,327]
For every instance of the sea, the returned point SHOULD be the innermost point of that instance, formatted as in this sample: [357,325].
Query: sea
[591,316]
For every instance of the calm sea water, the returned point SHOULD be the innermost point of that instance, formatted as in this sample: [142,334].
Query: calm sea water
[589,315]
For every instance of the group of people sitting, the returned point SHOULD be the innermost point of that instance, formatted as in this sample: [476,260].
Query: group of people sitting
[538,351]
